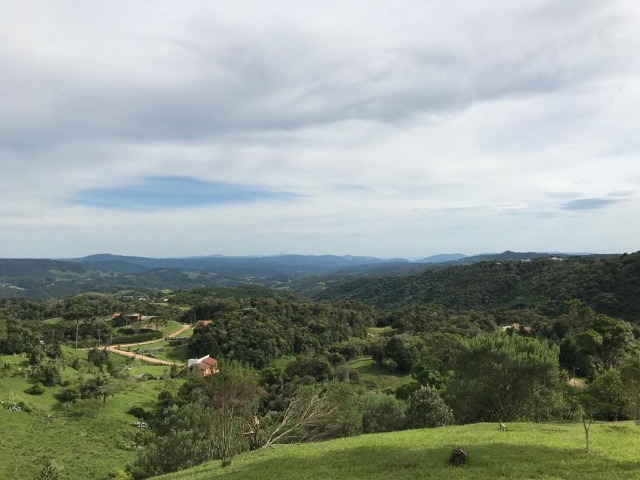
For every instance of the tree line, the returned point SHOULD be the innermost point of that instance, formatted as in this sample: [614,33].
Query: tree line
[607,284]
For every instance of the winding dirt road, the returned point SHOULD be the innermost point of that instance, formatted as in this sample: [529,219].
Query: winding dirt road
[145,358]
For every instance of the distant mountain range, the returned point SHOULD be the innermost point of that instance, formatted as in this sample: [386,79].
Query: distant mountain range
[108,273]
[442,257]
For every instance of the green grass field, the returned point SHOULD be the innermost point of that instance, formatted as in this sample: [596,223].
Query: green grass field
[526,451]
[164,350]
[87,447]
[167,329]
[377,377]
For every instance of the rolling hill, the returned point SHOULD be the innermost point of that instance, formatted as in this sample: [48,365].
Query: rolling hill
[609,284]
[549,451]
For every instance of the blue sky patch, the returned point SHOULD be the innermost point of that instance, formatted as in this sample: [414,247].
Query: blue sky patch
[588,203]
[165,192]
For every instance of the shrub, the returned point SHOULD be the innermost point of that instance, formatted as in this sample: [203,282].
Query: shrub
[120,475]
[381,413]
[504,378]
[49,373]
[69,394]
[403,392]
[85,408]
[50,471]
[427,409]
[98,356]
[36,389]
[137,411]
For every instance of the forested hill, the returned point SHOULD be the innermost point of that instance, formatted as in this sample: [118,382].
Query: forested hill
[610,285]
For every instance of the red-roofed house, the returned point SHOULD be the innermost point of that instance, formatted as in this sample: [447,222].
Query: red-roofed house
[206,365]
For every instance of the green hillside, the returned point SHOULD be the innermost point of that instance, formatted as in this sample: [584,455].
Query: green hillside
[607,284]
[543,451]
[87,444]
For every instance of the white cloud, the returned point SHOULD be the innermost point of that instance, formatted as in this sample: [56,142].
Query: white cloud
[407,128]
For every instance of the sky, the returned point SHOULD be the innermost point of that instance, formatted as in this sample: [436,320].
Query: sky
[391,129]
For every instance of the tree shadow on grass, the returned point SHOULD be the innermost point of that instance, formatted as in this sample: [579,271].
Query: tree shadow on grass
[488,461]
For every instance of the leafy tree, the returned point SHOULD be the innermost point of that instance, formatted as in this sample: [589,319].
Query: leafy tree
[17,338]
[37,355]
[630,376]
[502,378]
[99,356]
[348,410]
[96,387]
[315,366]
[68,394]
[430,371]
[49,373]
[403,350]
[403,392]
[376,350]
[178,441]
[426,409]
[229,401]
[232,397]
[53,350]
[608,391]
[606,341]
[381,413]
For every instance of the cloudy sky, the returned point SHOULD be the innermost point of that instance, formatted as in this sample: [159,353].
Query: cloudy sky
[403,128]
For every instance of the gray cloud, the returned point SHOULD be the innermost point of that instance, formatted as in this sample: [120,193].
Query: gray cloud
[588,203]
[237,82]
[405,127]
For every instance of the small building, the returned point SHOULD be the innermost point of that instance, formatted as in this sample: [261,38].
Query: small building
[132,318]
[206,365]
[516,327]
[204,323]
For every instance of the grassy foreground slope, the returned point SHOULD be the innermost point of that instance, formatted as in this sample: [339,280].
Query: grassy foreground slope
[541,451]
[86,447]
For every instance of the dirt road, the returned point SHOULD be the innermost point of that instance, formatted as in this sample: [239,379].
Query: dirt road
[145,358]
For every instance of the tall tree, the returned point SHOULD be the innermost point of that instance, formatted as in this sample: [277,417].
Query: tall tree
[506,377]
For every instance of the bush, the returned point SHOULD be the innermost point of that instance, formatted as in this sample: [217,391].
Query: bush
[50,471]
[49,373]
[36,389]
[427,409]
[98,356]
[137,411]
[381,413]
[505,378]
[19,406]
[70,394]
[347,420]
[120,475]
[85,408]
[403,392]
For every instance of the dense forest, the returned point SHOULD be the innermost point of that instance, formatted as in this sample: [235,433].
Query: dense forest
[609,285]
